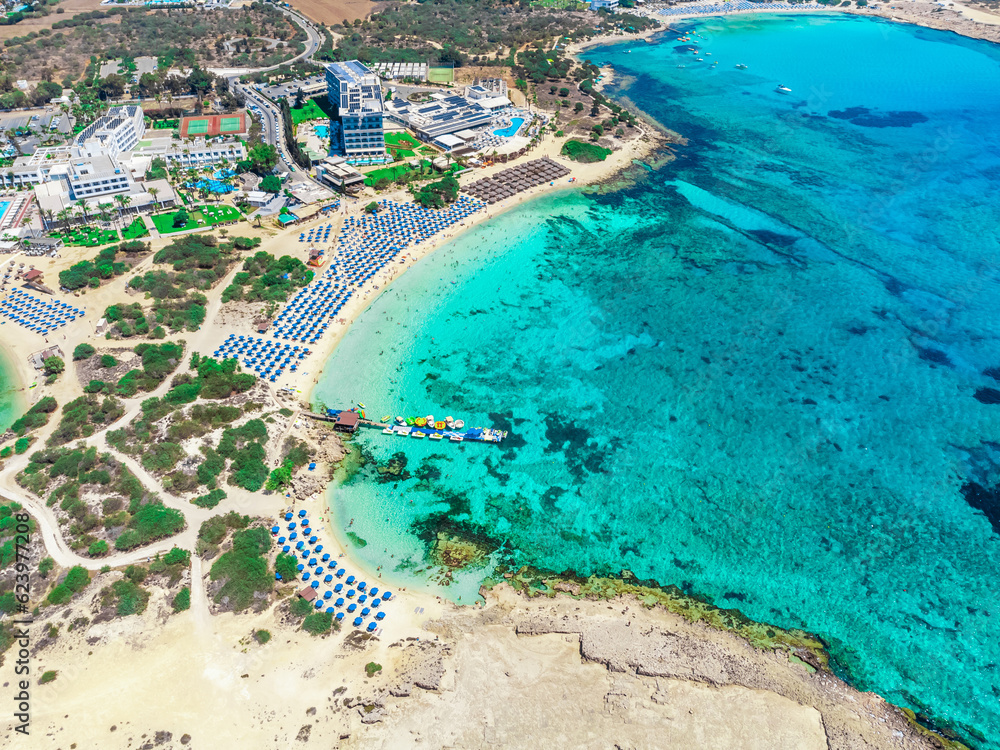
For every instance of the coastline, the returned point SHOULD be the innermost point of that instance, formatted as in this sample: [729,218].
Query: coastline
[648,141]
[19,374]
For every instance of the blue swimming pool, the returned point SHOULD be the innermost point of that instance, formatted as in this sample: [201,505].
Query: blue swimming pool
[212,186]
[507,132]
[323,131]
[4,205]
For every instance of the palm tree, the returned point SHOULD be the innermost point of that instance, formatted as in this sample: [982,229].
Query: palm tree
[105,209]
[153,192]
[82,205]
[48,213]
[63,216]
[123,201]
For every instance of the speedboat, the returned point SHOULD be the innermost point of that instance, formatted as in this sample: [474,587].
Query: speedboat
[741,66]
[782,89]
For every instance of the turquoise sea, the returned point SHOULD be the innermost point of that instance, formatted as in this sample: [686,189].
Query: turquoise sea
[769,373]
[11,401]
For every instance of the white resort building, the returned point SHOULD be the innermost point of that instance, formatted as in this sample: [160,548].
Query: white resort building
[356,130]
[107,162]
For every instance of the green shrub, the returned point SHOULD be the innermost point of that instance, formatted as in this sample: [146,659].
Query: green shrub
[285,566]
[371,668]
[584,152]
[177,556]
[95,386]
[108,361]
[210,500]
[318,623]
[183,600]
[8,603]
[244,568]
[47,677]
[98,548]
[60,595]
[300,607]
[130,598]
[21,445]
[77,579]
[83,351]
[262,636]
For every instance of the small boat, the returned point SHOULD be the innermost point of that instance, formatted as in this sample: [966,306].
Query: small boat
[430,419]
[682,66]
[459,424]
[387,417]
[741,66]
[708,53]
[362,405]
[436,436]
[400,420]
[439,425]
[456,438]
[416,434]
[421,422]
[411,421]
[782,89]
[699,59]
[450,422]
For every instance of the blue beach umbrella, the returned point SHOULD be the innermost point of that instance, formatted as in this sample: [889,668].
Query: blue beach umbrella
[357,622]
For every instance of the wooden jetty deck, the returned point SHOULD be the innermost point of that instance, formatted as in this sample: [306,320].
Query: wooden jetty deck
[349,421]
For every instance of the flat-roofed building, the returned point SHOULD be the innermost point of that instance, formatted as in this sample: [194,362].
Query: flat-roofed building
[356,130]
[119,130]
[443,115]
[337,173]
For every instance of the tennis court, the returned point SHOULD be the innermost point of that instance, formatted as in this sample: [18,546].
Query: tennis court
[231,124]
[437,74]
[197,127]
[209,125]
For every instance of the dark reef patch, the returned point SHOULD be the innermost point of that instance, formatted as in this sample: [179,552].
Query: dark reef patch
[936,356]
[987,395]
[986,500]
[868,118]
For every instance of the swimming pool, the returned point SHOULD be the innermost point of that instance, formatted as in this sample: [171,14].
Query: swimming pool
[507,132]
[212,186]
[4,205]
[323,131]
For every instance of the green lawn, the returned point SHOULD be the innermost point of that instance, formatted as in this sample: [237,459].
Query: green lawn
[440,75]
[426,150]
[309,111]
[87,237]
[400,139]
[165,124]
[135,230]
[198,217]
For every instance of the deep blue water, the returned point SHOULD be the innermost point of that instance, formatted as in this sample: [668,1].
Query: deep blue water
[770,373]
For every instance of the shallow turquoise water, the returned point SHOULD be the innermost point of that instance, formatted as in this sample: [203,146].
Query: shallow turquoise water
[11,402]
[769,374]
